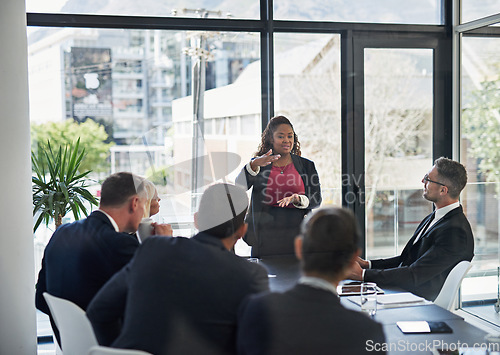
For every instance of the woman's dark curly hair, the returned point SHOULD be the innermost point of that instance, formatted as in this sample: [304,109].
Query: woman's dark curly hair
[267,136]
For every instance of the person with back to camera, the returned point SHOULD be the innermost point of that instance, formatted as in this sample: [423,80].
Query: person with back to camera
[441,241]
[285,188]
[309,318]
[81,256]
[181,295]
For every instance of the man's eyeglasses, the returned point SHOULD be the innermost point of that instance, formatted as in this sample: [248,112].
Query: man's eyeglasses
[426,178]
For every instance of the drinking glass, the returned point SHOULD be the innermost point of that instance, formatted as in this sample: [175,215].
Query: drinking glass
[145,229]
[369,298]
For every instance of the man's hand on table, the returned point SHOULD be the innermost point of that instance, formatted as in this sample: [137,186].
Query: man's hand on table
[356,272]
[363,263]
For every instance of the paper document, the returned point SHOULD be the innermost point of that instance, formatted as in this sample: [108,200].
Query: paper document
[414,327]
[394,300]
[423,327]
[398,298]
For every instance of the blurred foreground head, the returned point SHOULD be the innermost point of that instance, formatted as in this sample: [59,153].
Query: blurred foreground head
[222,210]
[328,242]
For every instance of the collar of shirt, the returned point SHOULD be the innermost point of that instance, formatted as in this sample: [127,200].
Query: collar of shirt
[441,212]
[115,226]
[317,282]
[438,214]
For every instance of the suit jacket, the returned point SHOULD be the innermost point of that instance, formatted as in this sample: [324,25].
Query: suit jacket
[307,172]
[423,267]
[303,320]
[177,296]
[79,258]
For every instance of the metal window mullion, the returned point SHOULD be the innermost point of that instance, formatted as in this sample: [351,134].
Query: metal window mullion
[267,61]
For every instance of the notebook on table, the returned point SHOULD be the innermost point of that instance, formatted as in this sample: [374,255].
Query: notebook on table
[353,289]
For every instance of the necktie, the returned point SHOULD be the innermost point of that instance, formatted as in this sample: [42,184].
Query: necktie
[425,227]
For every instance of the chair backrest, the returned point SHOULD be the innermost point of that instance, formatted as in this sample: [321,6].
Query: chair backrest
[448,293]
[77,335]
[103,350]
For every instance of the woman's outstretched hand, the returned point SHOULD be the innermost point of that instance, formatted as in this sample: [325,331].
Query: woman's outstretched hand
[264,160]
[290,199]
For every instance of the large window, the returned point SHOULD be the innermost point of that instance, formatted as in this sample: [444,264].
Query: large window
[191,8]
[307,91]
[137,86]
[476,9]
[380,11]
[398,145]
[366,84]
[480,150]
[169,93]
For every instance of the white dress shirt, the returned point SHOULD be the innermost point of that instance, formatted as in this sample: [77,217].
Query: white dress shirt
[317,282]
[115,225]
[438,214]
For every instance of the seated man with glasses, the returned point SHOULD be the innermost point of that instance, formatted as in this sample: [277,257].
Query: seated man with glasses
[441,241]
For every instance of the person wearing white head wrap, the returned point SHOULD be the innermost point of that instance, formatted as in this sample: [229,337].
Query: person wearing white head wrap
[183,294]
[222,210]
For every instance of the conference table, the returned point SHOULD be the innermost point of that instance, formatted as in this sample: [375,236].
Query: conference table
[285,271]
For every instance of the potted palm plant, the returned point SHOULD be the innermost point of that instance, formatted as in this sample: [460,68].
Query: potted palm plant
[58,185]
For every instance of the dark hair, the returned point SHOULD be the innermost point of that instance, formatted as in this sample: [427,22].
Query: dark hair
[453,174]
[267,136]
[330,238]
[222,210]
[119,187]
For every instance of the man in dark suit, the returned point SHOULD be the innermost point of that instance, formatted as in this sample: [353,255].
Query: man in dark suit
[80,257]
[441,241]
[309,319]
[181,295]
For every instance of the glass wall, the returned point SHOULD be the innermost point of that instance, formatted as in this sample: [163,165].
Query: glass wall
[476,9]
[480,150]
[191,8]
[307,91]
[398,145]
[128,95]
[133,90]
[137,85]
[381,11]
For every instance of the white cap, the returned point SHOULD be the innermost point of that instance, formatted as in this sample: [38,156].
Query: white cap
[220,203]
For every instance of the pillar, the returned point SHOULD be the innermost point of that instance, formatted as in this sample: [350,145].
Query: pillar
[17,310]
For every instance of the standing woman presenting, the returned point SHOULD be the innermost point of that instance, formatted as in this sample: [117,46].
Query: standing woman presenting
[285,188]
